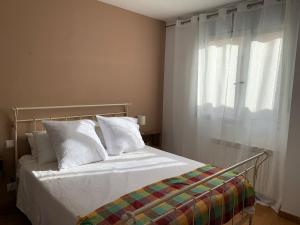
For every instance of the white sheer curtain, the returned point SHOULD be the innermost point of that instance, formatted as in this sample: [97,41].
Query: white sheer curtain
[229,91]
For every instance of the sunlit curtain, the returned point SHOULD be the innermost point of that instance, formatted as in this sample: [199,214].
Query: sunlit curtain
[229,91]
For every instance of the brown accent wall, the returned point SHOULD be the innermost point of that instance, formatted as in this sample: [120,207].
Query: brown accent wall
[61,52]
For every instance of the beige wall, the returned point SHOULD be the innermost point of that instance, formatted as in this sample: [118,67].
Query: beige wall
[57,52]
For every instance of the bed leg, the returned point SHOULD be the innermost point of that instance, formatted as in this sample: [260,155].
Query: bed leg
[250,219]
[250,212]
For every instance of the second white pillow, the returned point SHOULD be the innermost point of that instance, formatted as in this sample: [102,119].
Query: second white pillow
[45,152]
[121,134]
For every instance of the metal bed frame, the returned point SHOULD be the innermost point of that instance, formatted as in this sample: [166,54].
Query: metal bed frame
[130,216]
[35,120]
[247,213]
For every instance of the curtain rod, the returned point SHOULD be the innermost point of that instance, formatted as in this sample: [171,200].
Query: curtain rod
[213,10]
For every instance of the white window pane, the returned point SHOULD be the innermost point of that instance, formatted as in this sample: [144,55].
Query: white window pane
[262,75]
[233,52]
[217,75]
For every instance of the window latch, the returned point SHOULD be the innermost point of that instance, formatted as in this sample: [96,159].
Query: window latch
[241,82]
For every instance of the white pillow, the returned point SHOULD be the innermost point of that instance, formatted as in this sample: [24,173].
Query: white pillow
[45,152]
[121,134]
[75,142]
[32,145]
[99,132]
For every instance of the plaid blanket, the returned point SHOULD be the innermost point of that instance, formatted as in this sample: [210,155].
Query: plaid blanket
[223,204]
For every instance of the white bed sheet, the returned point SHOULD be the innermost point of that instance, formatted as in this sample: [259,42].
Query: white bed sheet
[51,197]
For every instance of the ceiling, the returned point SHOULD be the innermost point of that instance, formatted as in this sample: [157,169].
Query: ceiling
[167,9]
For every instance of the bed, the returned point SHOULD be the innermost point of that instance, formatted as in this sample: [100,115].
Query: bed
[48,196]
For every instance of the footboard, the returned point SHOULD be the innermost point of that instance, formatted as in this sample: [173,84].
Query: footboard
[250,167]
[206,195]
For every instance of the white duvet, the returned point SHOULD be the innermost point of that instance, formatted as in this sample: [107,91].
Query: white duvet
[51,197]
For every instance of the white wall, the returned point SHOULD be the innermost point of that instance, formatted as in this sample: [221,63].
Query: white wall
[168,73]
[291,197]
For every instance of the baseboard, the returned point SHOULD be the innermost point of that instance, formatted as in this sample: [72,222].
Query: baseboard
[289,216]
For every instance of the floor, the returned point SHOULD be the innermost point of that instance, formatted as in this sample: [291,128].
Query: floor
[266,216]
[263,216]
[13,216]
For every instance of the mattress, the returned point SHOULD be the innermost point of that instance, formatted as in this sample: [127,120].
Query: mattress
[51,197]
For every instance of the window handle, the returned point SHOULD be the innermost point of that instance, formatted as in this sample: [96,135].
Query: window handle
[241,82]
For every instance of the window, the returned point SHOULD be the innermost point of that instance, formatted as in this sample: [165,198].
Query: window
[237,74]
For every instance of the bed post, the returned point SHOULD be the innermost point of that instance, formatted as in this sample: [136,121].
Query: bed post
[251,215]
[126,109]
[250,219]
[16,137]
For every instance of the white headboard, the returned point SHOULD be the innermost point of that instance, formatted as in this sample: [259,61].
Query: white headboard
[24,115]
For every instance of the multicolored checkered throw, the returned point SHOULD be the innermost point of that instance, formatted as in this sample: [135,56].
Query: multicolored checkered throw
[212,208]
